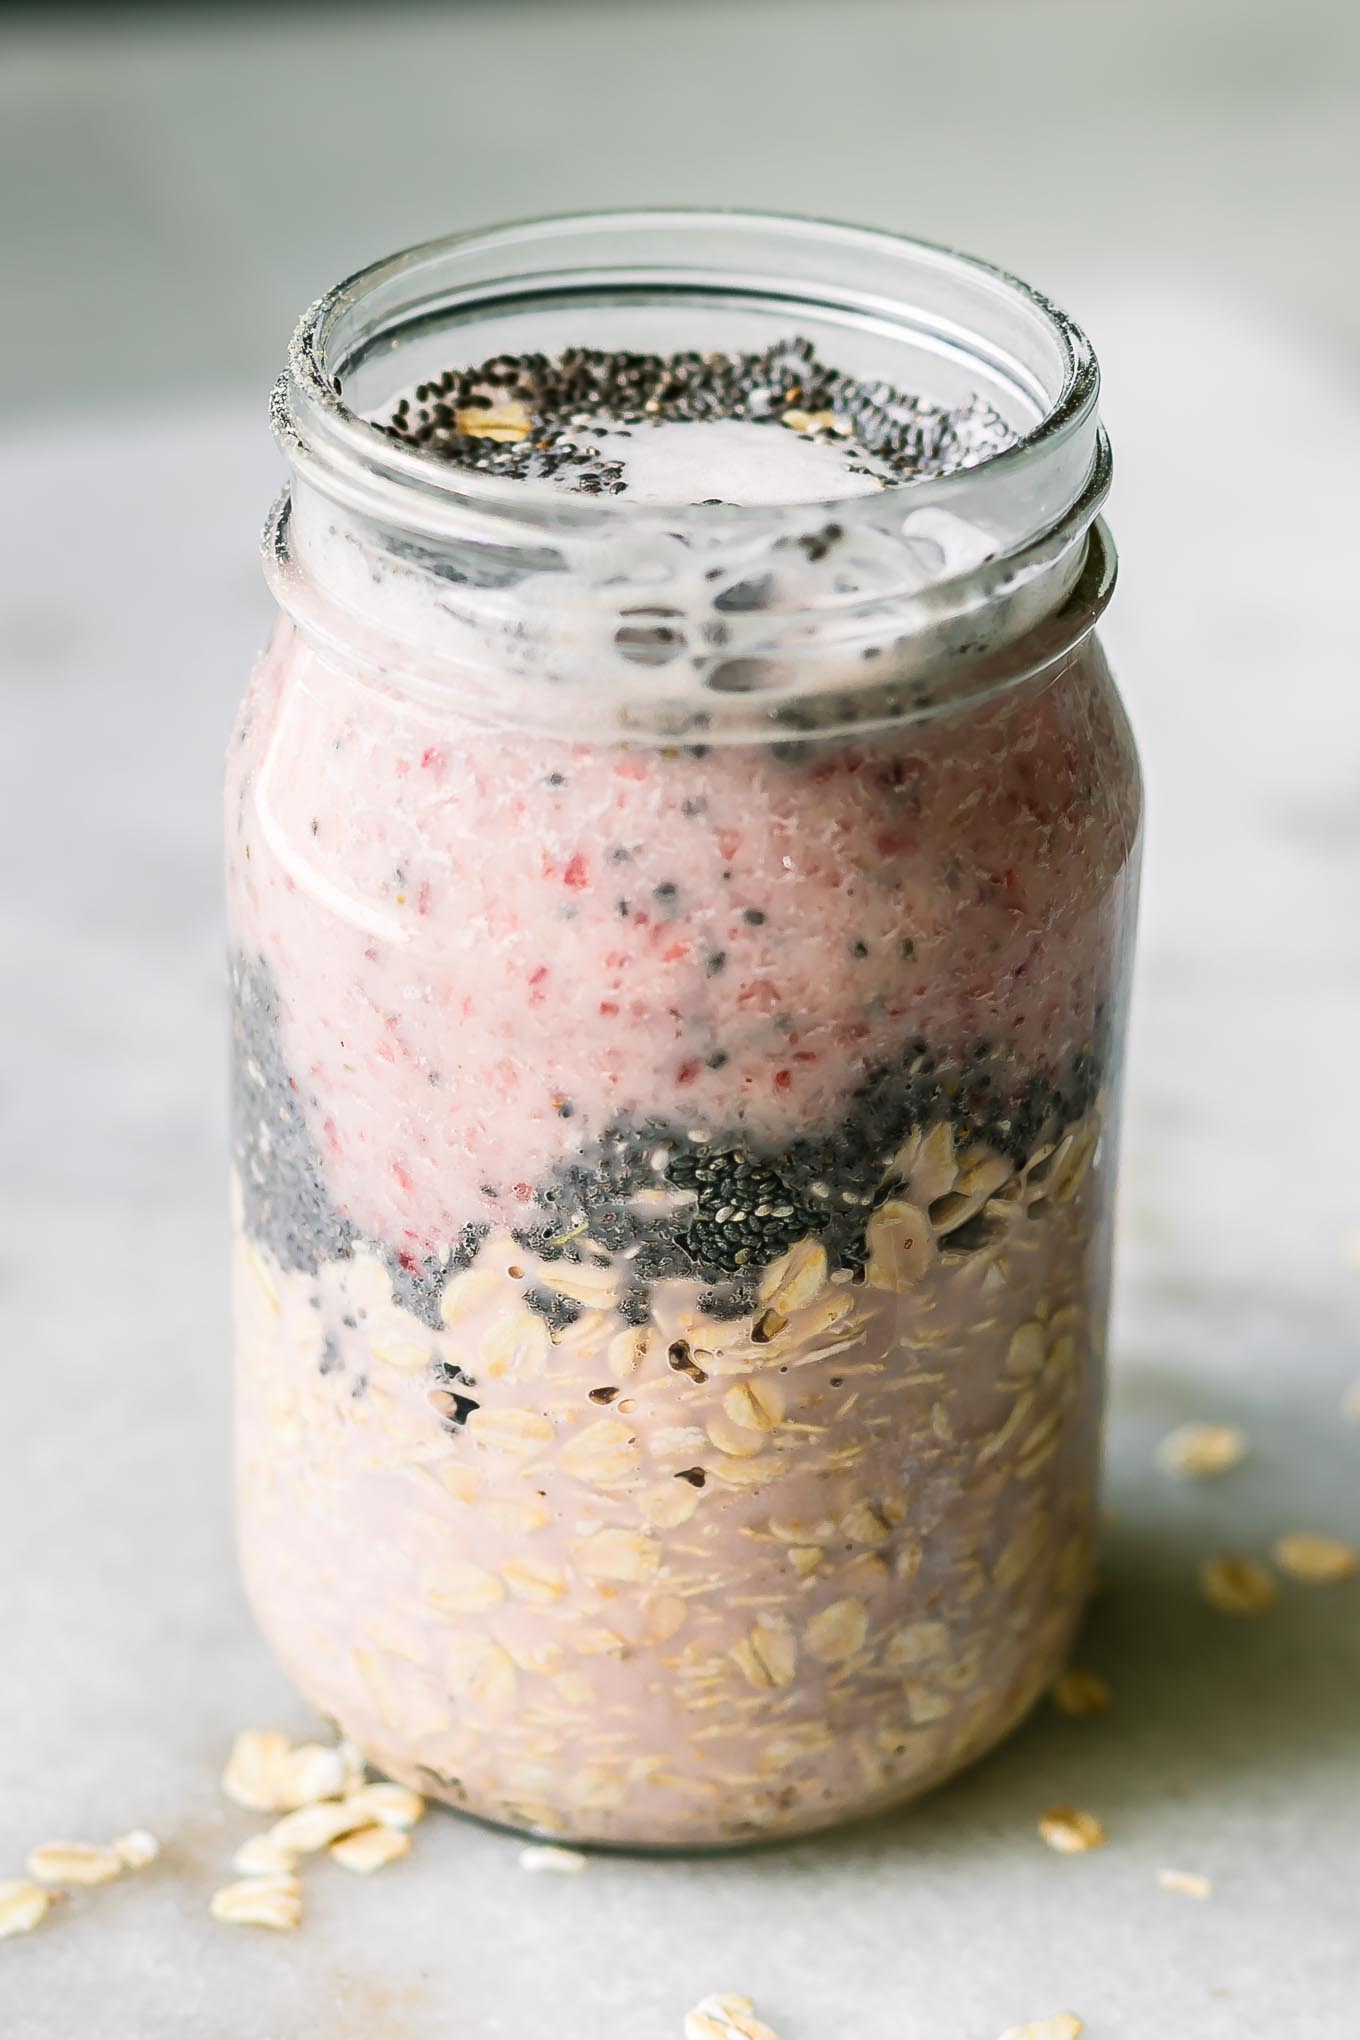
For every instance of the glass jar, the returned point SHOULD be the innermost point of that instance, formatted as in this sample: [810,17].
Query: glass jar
[680,964]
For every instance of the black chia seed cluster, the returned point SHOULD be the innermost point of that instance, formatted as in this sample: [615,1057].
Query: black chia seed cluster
[664,1198]
[739,1207]
[286,1205]
[531,417]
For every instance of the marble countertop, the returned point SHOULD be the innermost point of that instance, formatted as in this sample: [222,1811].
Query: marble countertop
[130,606]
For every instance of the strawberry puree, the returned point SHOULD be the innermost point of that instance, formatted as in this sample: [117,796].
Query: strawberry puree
[490,947]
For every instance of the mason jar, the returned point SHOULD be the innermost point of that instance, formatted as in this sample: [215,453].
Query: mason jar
[682,851]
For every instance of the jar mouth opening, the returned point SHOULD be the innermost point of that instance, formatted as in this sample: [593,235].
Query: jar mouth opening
[902,297]
[657,620]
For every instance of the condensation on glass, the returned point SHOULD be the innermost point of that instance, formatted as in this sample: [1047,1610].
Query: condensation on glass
[679,962]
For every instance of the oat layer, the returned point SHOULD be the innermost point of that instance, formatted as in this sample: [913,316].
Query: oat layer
[698,1579]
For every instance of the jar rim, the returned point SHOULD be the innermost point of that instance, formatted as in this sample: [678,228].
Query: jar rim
[427,562]
[318,428]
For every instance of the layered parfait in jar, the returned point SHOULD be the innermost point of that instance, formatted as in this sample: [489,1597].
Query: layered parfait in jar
[680,887]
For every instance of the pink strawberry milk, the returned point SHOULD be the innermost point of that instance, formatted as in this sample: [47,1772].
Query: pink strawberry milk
[682,857]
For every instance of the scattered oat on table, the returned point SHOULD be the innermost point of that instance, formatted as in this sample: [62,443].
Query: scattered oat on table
[309,1828]
[546,1856]
[1321,1561]
[23,1905]
[1070,1831]
[387,1805]
[371,1848]
[255,1773]
[136,1848]
[261,1856]
[1188,1882]
[312,1771]
[1201,1451]
[74,1863]
[1080,1693]
[326,1803]
[260,1902]
[1062,2026]
[726,2017]
[1237,1586]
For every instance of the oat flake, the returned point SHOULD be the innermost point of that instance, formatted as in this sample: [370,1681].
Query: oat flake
[261,1856]
[1189,1883]
[23,1905]
[136,1848]
[387,1805]
[74,1863]
[1080,1693]
[1063,2026]
[1321,1561]
[1070,1831]
[1202,1451]
[545,1857]
[371,1848]
[254,1777]
[726,2017]
[274,1902]
[1237,1586]
[316,1827]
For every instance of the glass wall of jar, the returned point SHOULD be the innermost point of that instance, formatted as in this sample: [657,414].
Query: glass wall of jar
[680,956]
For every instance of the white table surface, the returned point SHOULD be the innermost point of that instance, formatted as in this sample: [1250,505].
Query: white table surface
[130,604]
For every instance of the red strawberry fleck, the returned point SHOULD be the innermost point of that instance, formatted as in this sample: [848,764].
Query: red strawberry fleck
[576,874]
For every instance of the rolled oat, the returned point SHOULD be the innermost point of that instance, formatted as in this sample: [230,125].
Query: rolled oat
[23,1906]
[1237,1586]
[1189,1883]
[274,1902]
[1202,1451]
[1319,1560]
[1070,1831]
[371,1848]
[136,1849]
[74,1863]
[1062,2026]
[726,2017]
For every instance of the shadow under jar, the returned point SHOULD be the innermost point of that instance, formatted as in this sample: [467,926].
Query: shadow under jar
[682,862]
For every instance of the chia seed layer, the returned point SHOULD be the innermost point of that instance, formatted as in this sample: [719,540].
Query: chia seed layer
[531,416]
[277,1161]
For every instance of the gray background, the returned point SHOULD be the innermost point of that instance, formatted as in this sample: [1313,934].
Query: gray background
[171,193]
